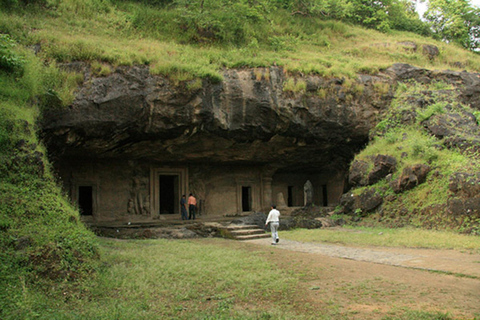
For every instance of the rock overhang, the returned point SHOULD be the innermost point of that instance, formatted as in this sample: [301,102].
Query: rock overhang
[132,114]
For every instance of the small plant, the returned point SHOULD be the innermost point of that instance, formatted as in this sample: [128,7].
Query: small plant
[391,137]
[101,69]
[322,93]
[433,109]
[295,85]
[258,74]
[381,88]
[9,60]
[477,116]
[194,85]
[284,43]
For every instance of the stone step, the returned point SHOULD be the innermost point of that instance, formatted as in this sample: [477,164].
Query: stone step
[253,236]
[242,226]
[246,232]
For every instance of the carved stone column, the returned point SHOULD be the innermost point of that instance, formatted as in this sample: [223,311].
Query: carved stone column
[267,192]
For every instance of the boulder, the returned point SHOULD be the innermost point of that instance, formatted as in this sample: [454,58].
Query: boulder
[383,165]
[430,51]
[369,200]
[357,175]
[411,177]
[465,185]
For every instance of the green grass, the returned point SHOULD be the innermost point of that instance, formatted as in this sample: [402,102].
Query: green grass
[48,255]
[209,279]
[387,237]
[43,242]
[162,279]
[401,134]
[132,33]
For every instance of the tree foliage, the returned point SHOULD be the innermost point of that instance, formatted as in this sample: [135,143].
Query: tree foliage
[237,21]
[455,21]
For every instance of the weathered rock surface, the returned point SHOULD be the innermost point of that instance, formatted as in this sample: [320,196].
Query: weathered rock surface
[246,118]
[465,200]
[366,202]
[357,176]
[136,115]
[383,165]
[410,178]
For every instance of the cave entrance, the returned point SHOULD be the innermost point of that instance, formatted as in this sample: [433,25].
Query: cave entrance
[324,195]
[85,200]
[246,199]
[167,185]
[169,194]
[290,196]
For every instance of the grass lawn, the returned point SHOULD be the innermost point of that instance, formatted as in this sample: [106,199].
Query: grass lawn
[387,237]
[162,279]
[225,279]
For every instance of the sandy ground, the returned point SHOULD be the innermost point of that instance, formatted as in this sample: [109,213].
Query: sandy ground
[376,283]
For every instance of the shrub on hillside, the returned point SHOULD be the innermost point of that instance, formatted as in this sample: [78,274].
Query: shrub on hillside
[42,239]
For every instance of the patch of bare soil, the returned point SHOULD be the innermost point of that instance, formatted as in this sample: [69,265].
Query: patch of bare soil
[344,288]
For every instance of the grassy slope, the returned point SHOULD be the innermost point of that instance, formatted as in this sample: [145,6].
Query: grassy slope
[425,205]
[42,239]
[129,34]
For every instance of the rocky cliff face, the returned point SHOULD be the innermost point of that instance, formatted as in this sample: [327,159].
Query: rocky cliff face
[249,117]
[263,116]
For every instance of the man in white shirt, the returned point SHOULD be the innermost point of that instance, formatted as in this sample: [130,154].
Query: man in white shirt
[273,218]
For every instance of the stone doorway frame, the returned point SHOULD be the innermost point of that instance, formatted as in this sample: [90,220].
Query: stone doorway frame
[253,193]
[155,174]
[74,191]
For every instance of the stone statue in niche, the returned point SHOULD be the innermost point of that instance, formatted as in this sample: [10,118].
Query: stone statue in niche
[130,207]
[146,205]
[308,193]
[139,194]
[281,200]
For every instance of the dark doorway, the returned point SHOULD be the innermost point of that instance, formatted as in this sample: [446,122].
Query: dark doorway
[325,195]
[246,199]
[290,196]
[85,200]
[169,194]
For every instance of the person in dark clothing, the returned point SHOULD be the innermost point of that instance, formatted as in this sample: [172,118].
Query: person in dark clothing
[183,206]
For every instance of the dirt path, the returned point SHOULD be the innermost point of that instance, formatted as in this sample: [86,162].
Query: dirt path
[339,282]
[447,261]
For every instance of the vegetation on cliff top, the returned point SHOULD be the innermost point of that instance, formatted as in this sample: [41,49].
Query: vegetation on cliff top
[185,39]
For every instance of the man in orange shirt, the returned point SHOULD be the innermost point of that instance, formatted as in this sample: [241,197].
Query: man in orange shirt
[192,204]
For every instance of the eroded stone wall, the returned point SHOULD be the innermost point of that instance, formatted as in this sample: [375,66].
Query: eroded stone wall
[130,190]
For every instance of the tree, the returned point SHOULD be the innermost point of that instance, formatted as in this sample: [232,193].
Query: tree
[385,15]
[454,21]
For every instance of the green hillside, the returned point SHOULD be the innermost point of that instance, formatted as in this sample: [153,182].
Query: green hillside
[183,40]
[43,241]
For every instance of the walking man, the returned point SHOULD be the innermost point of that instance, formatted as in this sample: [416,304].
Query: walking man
[192,204]
[274,219]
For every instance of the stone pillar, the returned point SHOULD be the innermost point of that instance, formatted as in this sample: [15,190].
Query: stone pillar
[267,192]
